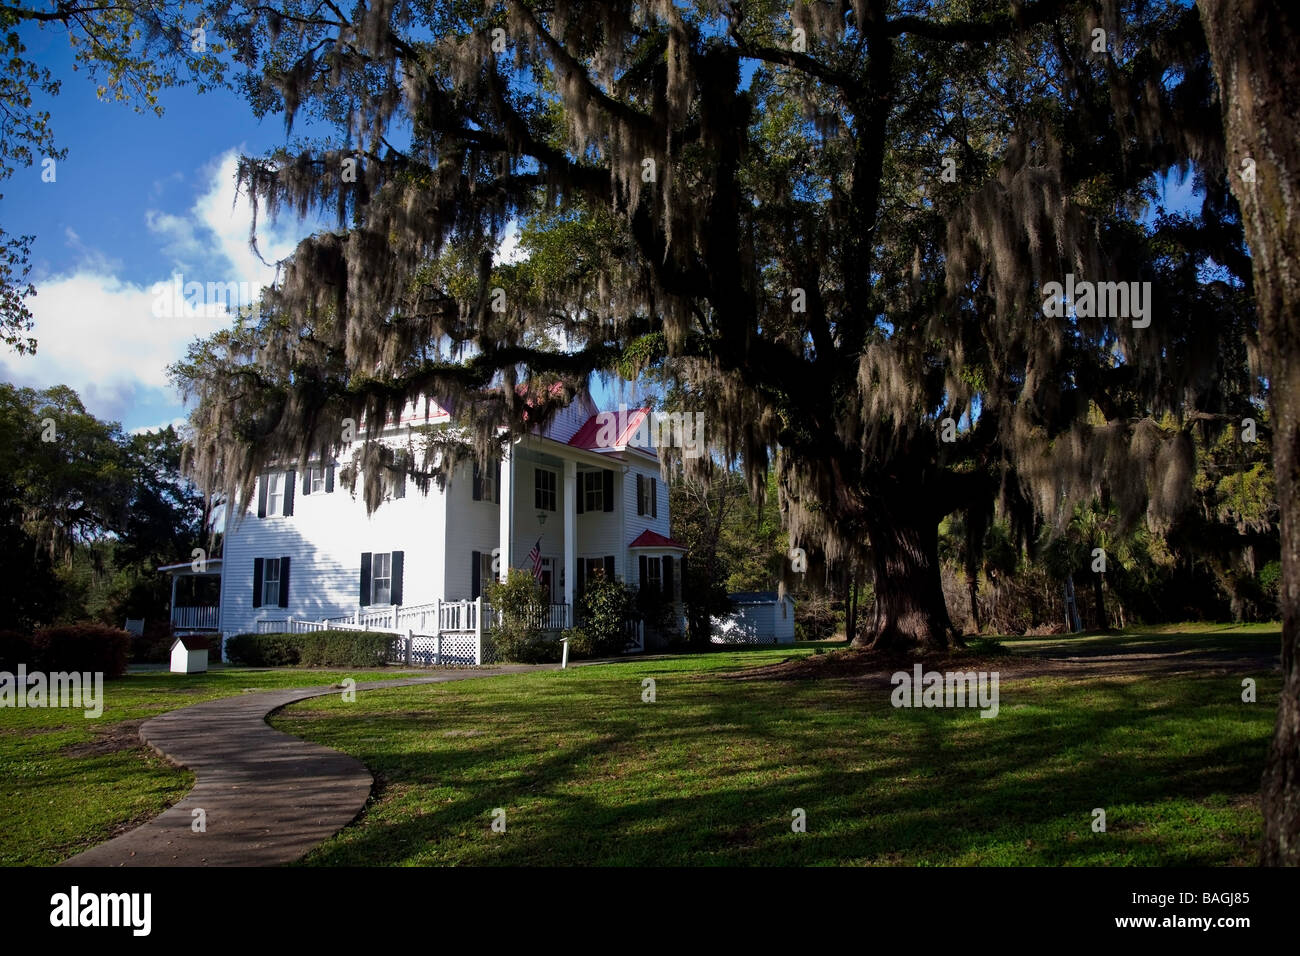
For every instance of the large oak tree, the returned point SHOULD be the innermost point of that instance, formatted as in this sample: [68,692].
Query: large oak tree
[830,223]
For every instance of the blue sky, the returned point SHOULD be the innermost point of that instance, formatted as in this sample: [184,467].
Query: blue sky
[138,199]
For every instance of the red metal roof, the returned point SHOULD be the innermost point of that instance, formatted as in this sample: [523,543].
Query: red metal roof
[650,539]
[589,434]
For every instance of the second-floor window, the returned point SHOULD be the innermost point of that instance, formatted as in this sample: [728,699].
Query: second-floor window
[317,481]
[647,496]
[593,490]
[544,489]
[275,493]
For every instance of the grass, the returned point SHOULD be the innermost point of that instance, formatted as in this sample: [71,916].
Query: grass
[712,771]
[68,782]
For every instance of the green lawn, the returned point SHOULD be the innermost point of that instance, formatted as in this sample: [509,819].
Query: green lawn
[711,772]
[68,782]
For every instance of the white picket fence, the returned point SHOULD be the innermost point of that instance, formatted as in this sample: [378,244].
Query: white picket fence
[444,633]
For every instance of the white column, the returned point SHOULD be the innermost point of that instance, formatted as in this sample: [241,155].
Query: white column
[570,537]
[172,613]
[507,535]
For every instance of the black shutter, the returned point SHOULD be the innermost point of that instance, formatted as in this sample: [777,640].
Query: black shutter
[329,476]
[284,581]
[609,490]
[609,566]
[261,495]
[398,557]
[290,482]
[640,495]
[364,600]
[654,497]
[306,481]
[668,576]
[257,582]
[496,482]
[580,488]
[478,484]
[475,574]
[641,564]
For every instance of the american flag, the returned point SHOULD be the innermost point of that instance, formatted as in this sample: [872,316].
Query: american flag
[535,558]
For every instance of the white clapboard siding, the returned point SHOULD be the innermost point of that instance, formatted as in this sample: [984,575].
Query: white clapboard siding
[471,526]
[324,540]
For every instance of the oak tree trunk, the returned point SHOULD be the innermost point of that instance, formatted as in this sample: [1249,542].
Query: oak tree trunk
[910,610]
[1253,45]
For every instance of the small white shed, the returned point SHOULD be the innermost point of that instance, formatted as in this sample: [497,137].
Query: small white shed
[759,617]
[189,655]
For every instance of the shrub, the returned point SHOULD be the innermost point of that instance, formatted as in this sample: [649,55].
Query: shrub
[606,606]
[516,634]
[580,642]
[1270,578]
[15,649]
[987,647]
[82,647]
[314,649]
[155,644]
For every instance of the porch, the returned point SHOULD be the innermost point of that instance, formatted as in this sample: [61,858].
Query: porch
[196,596]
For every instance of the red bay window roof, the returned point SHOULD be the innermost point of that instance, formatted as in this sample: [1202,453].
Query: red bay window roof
[650,539]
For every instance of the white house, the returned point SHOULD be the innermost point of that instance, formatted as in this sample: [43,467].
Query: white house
[588,495]
[189,655]
[759,617]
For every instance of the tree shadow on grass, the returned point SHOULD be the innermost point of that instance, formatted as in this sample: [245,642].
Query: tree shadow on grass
[708,776]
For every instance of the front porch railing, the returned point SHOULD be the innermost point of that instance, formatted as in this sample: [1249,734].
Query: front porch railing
[196,618]
[445,632]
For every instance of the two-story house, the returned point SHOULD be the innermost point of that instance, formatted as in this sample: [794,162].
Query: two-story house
[586,496]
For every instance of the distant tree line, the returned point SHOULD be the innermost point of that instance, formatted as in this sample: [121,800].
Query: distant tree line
[88,512]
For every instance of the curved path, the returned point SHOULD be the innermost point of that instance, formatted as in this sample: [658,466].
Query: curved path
[268,797]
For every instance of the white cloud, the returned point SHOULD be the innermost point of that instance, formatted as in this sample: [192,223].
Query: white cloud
[105,337]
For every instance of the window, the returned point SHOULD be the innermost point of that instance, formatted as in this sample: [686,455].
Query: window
[271,582]
[395,477]
[593,491]
[381,579]
[653,576]
[317,479]
[544,489]
[275,493]
[487,485]
[647,496]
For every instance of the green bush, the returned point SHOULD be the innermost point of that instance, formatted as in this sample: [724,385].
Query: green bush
[581,643]
[516,634]
[606,605]
[81,647]
[313,649]
[1270,578]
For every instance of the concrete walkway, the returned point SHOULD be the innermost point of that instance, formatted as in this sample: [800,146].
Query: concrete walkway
[268,797]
